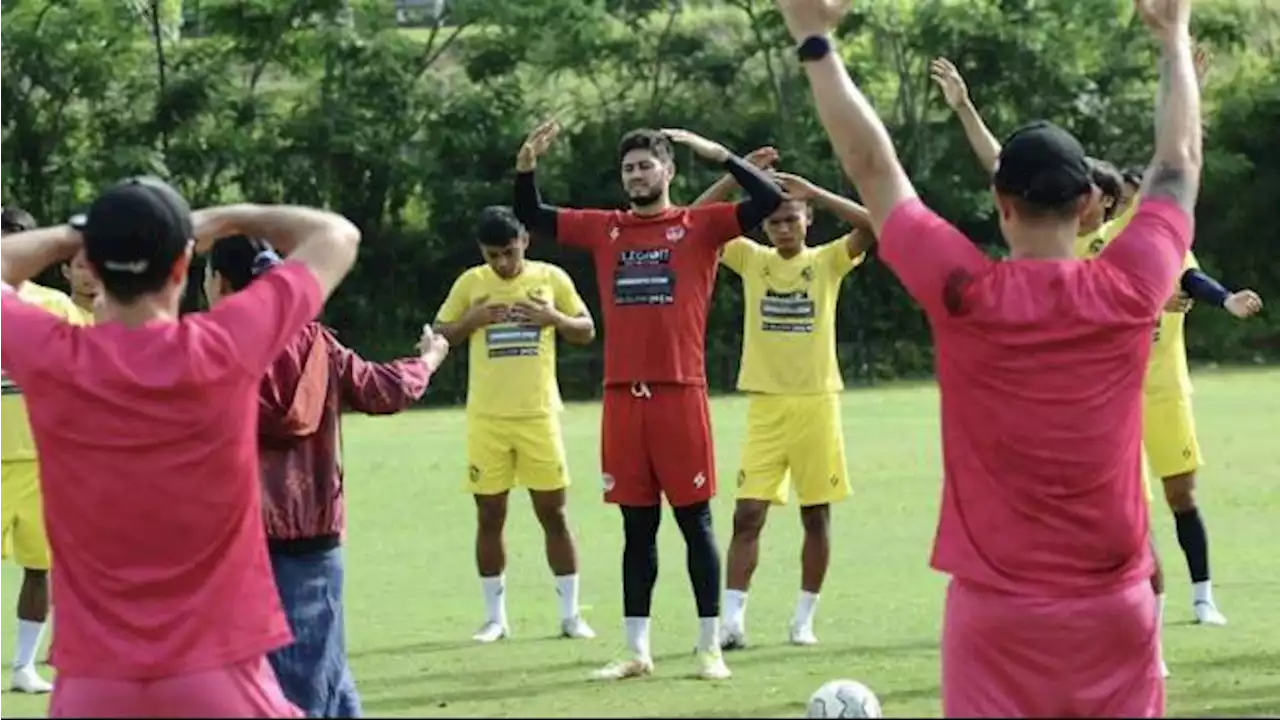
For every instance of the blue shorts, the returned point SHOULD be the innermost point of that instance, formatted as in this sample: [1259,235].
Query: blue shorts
[313,671]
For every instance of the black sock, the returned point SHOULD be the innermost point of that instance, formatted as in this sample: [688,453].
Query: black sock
[703,557]
[639,558]
[1194,541]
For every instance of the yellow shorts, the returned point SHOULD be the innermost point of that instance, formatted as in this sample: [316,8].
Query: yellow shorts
[23,515]
[1169,436]
[505,452]
[794,439]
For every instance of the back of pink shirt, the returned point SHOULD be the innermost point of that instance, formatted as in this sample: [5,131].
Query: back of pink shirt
[149,469]
[1040,366]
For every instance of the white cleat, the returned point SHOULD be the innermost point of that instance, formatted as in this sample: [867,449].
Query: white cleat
[711,666]
[1164,669]
[25,680]
[803,635]
[732,638]
[623,669]
[1207,614]
[576,628]
[491,632]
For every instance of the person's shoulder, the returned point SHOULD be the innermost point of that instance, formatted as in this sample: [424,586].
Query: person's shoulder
[543,270]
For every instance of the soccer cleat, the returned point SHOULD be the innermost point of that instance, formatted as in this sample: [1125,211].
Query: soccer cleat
[803,635]
[711,666]
[732,638]
[623,669]
[1207,613]
[25,680]
[576,627]
[491,632]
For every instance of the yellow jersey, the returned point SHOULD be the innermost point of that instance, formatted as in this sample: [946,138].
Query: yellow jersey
[1168,376]
[512,370]
[16,443]
[789,318]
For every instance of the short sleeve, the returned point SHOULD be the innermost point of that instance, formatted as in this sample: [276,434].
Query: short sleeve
[264,317]
[715,224]
[1151,250]
[583,229]
[566,296]
[737,254]
[27,332]
[458,300]
[928,254]
[834,257]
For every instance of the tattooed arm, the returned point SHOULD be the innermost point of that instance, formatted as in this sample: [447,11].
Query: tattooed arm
[1174,173]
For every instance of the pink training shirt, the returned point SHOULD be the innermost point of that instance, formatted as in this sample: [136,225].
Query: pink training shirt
[1040,365]
[149,468]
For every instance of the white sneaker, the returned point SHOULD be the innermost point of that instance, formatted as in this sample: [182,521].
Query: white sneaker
[1207,613]
[576,627]
[732,637]
[711,666]
[1164,668]
[623,669]
[803,635]
[491,632]
[25,680]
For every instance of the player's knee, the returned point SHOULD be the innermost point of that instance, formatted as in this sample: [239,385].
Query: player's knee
[816,520]
[640,525]
[551,514]
[491,513]
[1180,492]
[35,577]
[749,519]
[695,521]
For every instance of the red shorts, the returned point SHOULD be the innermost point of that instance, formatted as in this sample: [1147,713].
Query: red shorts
[1014,656]
[655,441]
[244,690]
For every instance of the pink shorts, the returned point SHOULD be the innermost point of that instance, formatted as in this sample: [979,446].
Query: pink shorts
[244,690]
[1017,656]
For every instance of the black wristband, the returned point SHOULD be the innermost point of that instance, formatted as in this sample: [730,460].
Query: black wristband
[814,47]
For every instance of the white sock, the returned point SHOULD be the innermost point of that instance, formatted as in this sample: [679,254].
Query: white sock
[735,609]
[638,636]
[1203,591]
[495,598]
[708,634]
[567,589]
[806,606]
[29,634]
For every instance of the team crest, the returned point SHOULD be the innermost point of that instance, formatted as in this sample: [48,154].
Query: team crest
[675,233]
[807,273]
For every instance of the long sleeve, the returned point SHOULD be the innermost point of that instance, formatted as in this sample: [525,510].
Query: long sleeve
[378,388]
[763,195]
[529,208]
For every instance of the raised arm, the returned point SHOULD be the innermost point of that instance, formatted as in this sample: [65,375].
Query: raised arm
[1174,173]
[956,92]
[863,234]
[763,195]
[857,134]
[722,189]
[24,255]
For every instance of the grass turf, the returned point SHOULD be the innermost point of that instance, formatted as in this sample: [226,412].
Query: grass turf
[413,599]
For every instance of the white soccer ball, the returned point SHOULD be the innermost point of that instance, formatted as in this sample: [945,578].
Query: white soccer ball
[843,699]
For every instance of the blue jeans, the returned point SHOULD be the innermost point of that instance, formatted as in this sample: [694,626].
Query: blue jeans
[313,671]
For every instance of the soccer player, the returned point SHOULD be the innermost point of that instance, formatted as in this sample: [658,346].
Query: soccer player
[512,308]
[655,265]
[790,372]
[149,465]
[300,405]
[1043,526]
[23,514]
[84,286]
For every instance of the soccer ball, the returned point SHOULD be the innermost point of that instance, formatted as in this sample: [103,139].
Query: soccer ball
[843,699]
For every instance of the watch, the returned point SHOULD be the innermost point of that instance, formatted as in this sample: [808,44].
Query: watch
[814,47]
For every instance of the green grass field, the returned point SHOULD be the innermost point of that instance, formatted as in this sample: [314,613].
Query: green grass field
[413,599]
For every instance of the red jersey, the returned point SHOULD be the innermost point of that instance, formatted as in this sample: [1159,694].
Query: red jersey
[656,274]
[149,470]
[1040,365]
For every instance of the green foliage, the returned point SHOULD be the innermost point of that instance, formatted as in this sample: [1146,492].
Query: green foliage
[409,131]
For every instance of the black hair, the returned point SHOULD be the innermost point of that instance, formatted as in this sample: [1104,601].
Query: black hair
[240,259]
[15,219]
[1133,175]
[1108,179]
[646,139]
[498,226]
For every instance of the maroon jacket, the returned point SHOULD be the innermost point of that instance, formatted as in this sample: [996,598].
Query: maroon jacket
[300,406]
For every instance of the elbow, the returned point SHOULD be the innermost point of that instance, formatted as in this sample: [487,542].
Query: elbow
[584,336]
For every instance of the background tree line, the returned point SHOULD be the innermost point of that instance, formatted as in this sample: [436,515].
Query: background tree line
[409,130]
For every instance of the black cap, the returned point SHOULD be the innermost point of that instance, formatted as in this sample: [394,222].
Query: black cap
[137,228]
[1042,164]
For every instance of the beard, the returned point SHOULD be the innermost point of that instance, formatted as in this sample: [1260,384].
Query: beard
[645,198]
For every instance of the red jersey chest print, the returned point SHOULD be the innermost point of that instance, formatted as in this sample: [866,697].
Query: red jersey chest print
[655,274]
